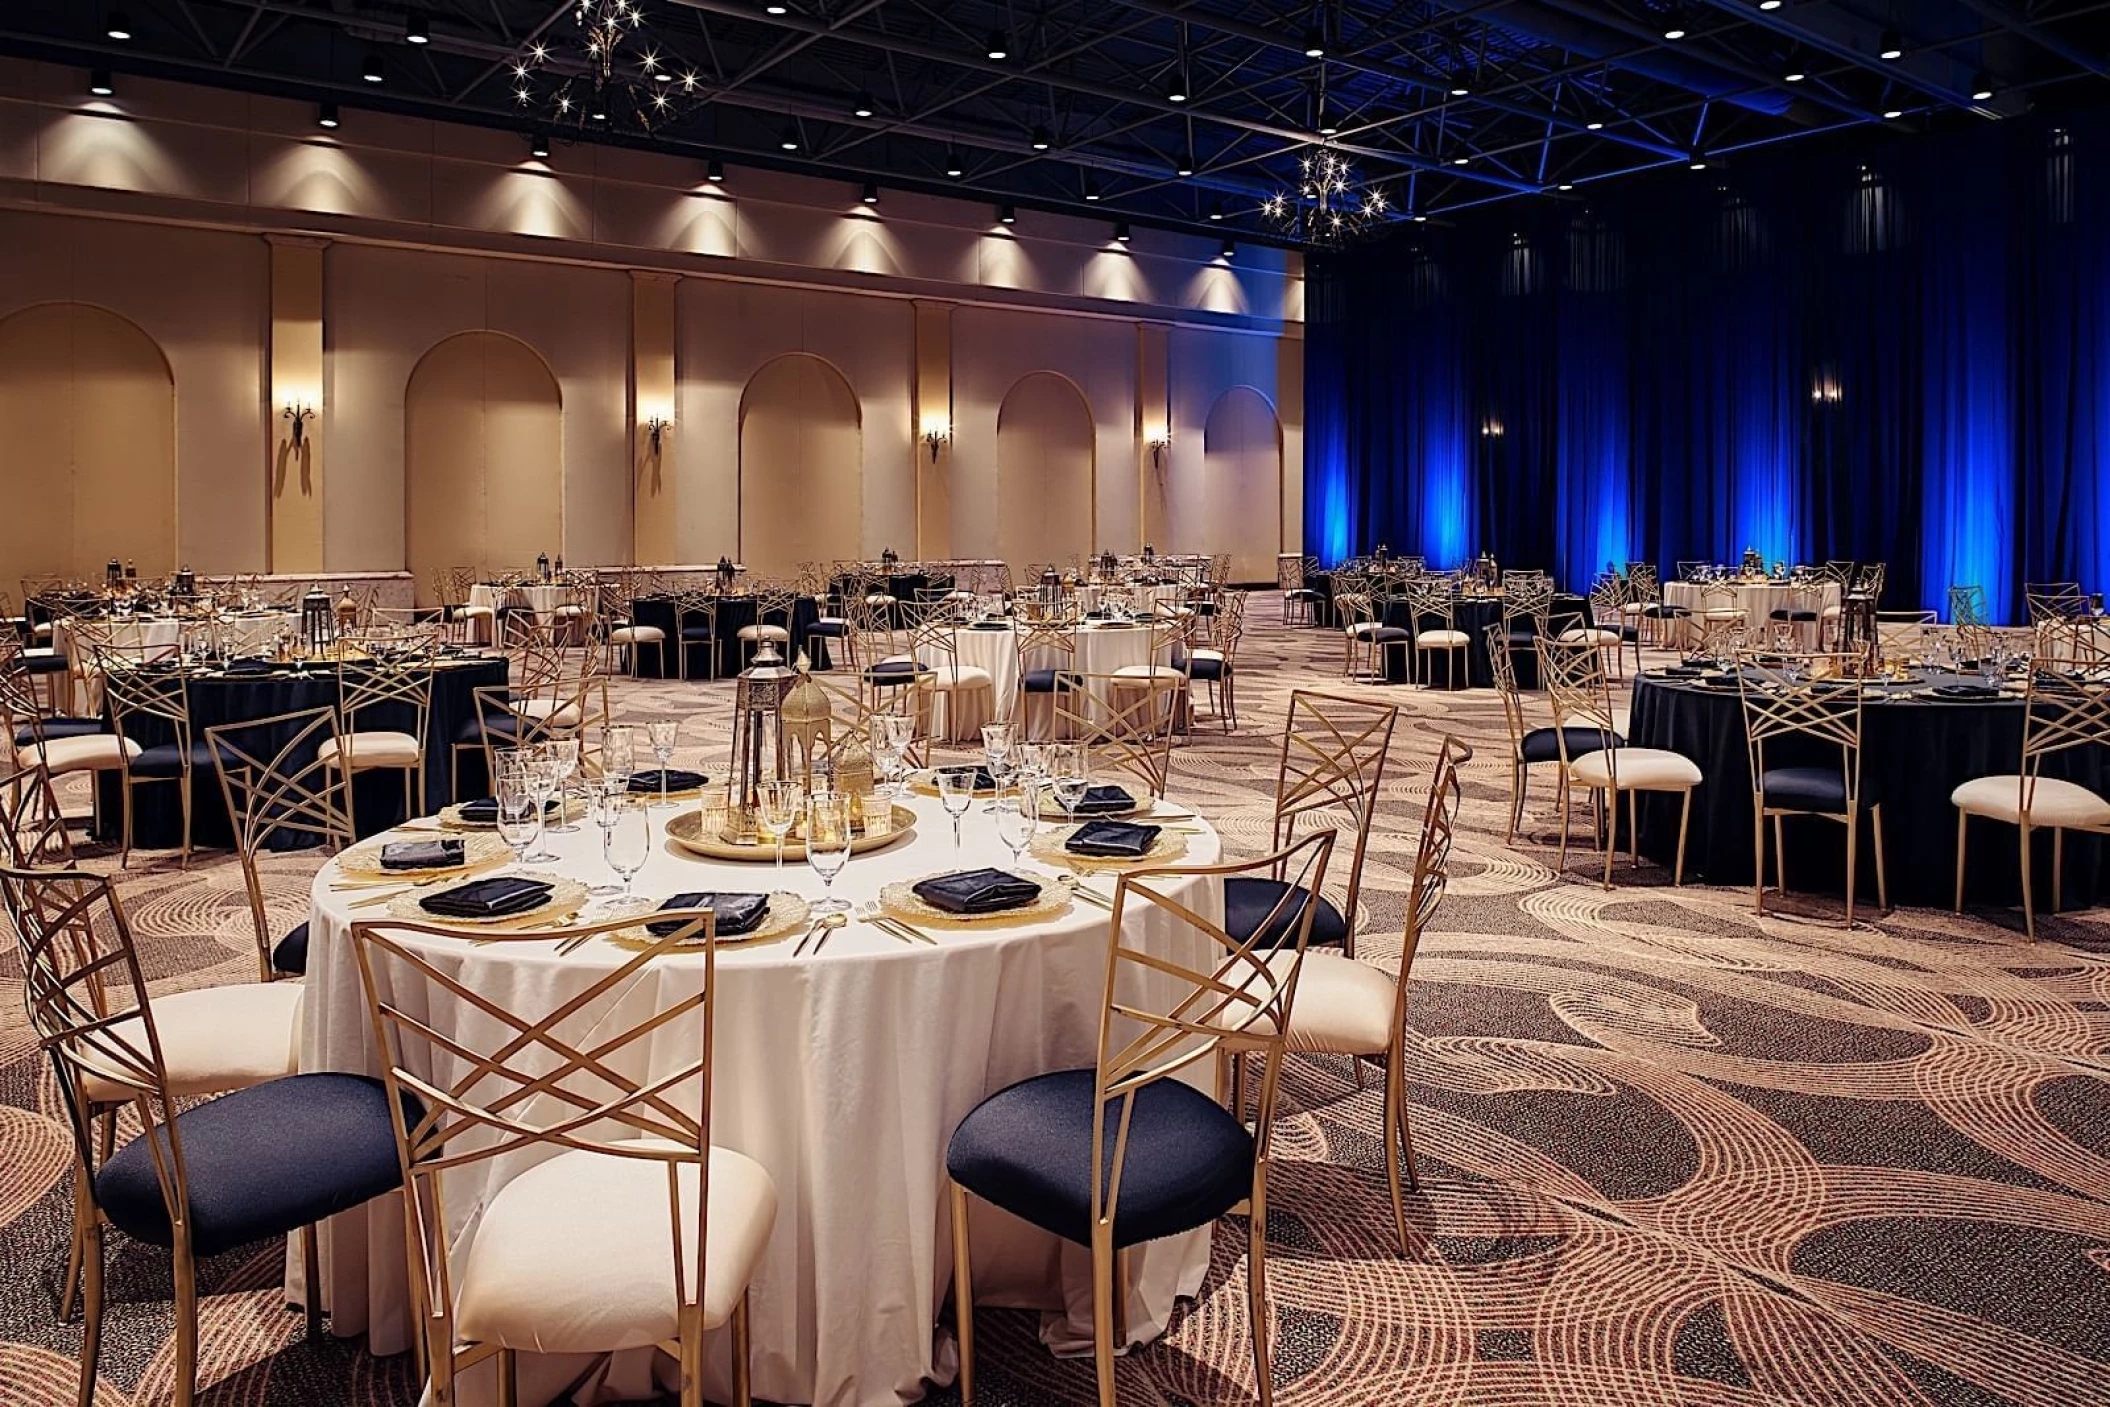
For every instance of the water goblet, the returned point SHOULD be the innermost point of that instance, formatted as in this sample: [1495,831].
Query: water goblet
[1069,773]
[776,807]
[828,845]
[626,839]
[997,741]
[606,808]
[956,794]
[540,770]
[519,815]
[618,755]
[563,756]
[1017,818]
[661,732]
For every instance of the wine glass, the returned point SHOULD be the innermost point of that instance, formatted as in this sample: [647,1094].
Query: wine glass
[519,812]
[828,845]
[776,807]
[626,838]
[956,794]
[607,804]
[618,756]
[541,770]
[563,754]
[997,751]
[661,732]
[1069,773]
[1017,818]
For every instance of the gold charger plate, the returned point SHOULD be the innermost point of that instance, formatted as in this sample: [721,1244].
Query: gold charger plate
[924,783]
[1051,810]
[788,914]
[899,900]
[1047,846]
[567,898]
[450,817]
[686,830]
[479,852]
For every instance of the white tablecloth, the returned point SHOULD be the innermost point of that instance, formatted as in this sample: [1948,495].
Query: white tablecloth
[1758,599]
[845,1075]
[254,633]
[1101,649]
[1142,600]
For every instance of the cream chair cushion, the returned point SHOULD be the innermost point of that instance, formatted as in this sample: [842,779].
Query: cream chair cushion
[1443,639]
[562,715]
[375,749]
[963,677]
[1344,1007]
[1640,769]
[764,632]
[576,1255]
[472,612]
[1146,673]
[636,635]
[90,752]
[1591,636]
[215,1039]
[1364,628]
[2052,802]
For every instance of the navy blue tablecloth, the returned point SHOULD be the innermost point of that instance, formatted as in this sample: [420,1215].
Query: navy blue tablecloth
[733,613]
[1473,615]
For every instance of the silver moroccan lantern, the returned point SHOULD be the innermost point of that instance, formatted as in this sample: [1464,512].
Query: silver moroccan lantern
[758,736]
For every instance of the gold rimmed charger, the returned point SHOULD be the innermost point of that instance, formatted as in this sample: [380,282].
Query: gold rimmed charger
[788,914]
[1047,847]
[925,783]
[900,901]
[450,817]
[567,898]
[1051,810]
[479,853]
[687,831]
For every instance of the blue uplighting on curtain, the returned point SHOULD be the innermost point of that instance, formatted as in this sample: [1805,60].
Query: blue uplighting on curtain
[1895,351]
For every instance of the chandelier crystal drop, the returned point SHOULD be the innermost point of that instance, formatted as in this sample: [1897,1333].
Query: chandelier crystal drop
[1325,205]
[607,74]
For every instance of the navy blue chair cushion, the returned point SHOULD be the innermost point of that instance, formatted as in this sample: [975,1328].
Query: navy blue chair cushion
[1047,681]
[1543,744]
[58,728]
[1248,901]
[290,953]
[1820,789]
[497,725]
[262,1161]
[1785,614]
[1028,1149]
[696,632]
[833,629]
[889,673]
[1389,635]
[43,664]
[1663,610]
[167,759]
[1205,668]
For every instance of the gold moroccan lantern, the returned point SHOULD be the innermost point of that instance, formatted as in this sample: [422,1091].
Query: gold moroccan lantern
[807,722]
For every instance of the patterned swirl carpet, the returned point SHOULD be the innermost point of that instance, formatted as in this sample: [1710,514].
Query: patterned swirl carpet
[1670,1153]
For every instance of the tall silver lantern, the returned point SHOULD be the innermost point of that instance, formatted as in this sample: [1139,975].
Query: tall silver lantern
[758,737]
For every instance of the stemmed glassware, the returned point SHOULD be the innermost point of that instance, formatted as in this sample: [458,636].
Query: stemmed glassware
[519,809]
[618,756]
[776,808]
[626,836]
[1069,771]
[1017,818]
[606,803]
[563,754]
[662,732]
[828,845]
[891,734]
[997,752]
[956,794]
[541,772]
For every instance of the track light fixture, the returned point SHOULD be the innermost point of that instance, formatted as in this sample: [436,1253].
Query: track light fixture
[1982,88]
[1041,140]
[117,26]
[1230,249]
[100,84]
[1674,23]
[1091,189]
[999,45]
[788,139]
[953,166]
[370,68]
[1794,70]
[1007,214]
[863,106]
[1121,232]
[538,146]
[1216,212]
[1892,114]
[416,30]
[1891,47]
[1314,44]
[326,116]
[871,193]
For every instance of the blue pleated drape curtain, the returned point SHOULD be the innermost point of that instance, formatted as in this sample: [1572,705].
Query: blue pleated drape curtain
[1896,350]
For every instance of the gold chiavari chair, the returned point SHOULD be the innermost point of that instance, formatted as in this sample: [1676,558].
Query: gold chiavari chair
[150,699]
[56,756]
[1801,616]
[696,628]
[580,711]
[627,637]
[1018,1150]
[2066,718]
[1643,604]
[280,781]
[613,1105]
[774,601]
[1432,620]
[1331,767]
[1808,708]
[1047,666]
[1162,671]
[967,691]
[32,828]
[1358,615]
[384,690]
[1300,599]
[1604,630]
[1353,1008]
[1575,684]
[1214,663]
[1528,746]
[1718,629]
[274,1153]
[2054,601]
[857,706]
[1126,731]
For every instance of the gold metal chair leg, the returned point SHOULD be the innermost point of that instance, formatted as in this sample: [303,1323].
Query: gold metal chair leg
[508,1373]
[2058,866]
[186,1327]
[91,1311]
[963,1293]
[1567,811]
[1758,854]
[311,1279]
[1677,875]
[1780,853]
[1853,864]
[1256,1289]
[1963,819]
[2029,901]
[1519,779]
[1875,822]
[1608,820]
[1103,1314]
[743,1390]
[76,1252]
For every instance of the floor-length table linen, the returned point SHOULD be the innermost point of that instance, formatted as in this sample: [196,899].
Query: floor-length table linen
[1102,648]
[1758,600]
[844,1074]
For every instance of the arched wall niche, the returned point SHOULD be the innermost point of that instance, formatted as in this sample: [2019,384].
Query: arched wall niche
[1232,501]
[483,457]
[801,466]
[88,400]
[1046,471]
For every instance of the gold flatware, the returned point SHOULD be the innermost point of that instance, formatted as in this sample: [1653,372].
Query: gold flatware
[828,924]
[808,938]
[910,932]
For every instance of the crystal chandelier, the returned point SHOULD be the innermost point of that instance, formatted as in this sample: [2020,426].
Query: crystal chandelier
[616,77]
[1325,207]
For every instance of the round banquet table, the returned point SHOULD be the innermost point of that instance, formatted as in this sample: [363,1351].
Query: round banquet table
[244,633]
[844,1074]
[219,698]
[1915,750]
[1759,600]
[1102,648]
[733,613]
[1142,599]
[1473,615]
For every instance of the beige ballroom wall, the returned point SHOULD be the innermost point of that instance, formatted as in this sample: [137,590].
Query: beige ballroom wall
[1044,473]
[89,411]
[801,466]
[1234,504]
[483,457]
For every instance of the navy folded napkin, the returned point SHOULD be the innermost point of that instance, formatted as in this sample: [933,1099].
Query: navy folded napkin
[1681,671]
[1964,691]
[423,854]
[249,665]
[977,892]
[983,781]
[484,812]
[488,898]
[1113,840]
[990,625]
[676,780]
[732,914]
[1100,800]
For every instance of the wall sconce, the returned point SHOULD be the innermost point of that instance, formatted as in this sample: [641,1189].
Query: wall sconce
[936,435]
[655,430]
[1827,391]
[299,413]
[1491,430]
[1159,438]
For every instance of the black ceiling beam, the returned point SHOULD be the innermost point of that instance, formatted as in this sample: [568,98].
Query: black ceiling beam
[1808,27]
[2040,36]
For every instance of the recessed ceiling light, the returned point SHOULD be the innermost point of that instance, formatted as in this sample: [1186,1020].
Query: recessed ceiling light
[99,83]
[415,31]
[326,116]
[117,26]
[371,70]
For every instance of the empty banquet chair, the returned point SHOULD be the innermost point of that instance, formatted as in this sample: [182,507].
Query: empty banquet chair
[627,636]
[282,784]
[1331,764]
[453,589]
[276,1154]
[1432,625]
[1047,666]
[1349,1007]
[1300,599]
[1215,663]
[383,703]
[2054,600]
[1575,684]
[1802,723]
[1646,609]
[772,622]
[967,691]
[1527,601]
[696,628]
[1529,746]
[2066,718]
[1358,610]
[1161,671]
[149,702]
[29,708]
[64,755]
[1126,731]
[629,1229]
[831,623]
[1800,615]
[1122,1152]
[1605,631]
[1975,636]
[1718,628]
[32,828]
[1695,572]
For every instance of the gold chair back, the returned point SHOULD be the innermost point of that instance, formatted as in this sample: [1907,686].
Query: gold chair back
[1333,758]
[276,787]
[1125,724]
[1815,697]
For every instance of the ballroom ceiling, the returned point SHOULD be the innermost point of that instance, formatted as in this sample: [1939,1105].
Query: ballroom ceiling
[1183,113]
